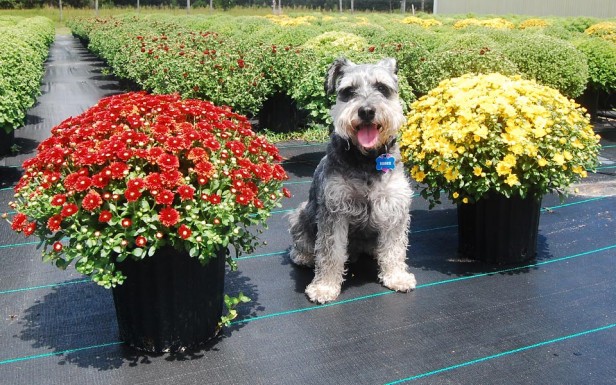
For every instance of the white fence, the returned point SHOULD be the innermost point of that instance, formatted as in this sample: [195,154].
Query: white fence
[594,8]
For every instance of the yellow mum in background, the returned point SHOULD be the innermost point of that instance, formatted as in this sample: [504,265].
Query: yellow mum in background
[480,133]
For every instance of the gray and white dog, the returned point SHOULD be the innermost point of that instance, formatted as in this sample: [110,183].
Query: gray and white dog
[352,207]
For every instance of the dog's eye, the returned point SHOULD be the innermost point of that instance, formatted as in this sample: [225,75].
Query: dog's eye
[346,93]
[383,89]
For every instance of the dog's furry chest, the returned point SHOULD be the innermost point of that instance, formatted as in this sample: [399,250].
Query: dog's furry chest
[355,195]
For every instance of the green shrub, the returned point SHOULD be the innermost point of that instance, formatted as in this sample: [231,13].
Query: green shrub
[461,54]
[601,56]
[23,48]
[550,61]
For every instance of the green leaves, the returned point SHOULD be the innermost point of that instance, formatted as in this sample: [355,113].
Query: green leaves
[231,303]
[23,49]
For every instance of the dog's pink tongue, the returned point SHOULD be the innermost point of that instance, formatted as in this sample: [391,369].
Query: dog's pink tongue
[368,135]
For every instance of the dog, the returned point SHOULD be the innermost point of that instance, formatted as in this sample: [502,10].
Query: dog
[360,197]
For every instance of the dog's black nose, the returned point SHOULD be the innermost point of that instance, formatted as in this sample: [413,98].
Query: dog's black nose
[366,113]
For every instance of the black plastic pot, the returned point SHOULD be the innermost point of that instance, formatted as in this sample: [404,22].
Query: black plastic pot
[499,230]
[6,141]
[169,302]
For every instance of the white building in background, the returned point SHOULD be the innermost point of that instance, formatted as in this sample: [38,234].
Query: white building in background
[593,8]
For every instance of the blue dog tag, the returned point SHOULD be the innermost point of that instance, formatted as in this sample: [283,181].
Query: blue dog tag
[385,162]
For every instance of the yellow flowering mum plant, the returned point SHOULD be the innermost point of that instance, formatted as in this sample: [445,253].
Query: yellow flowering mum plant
[480,133]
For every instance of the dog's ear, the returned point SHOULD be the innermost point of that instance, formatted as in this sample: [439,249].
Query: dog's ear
[390,64]
[335,71]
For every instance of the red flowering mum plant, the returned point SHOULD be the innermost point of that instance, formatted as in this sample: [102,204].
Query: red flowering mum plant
[140,171]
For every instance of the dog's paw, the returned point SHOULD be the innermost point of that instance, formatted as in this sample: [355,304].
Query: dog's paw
[322,293]
[301,259]
[400,281]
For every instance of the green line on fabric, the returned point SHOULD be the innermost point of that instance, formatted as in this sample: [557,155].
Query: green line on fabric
[574,203]
[606,167]
[297,182]
[18,244]
[329,304]
[251,256]
[45,286]
[69,351]
[502,354]
[425,285]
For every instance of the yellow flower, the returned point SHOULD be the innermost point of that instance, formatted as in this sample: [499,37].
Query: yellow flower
[451,174]
[510,160]
[465,200]
[542,162]
[455,195]
[559,159]
[503,168]
[417,174]
[477,170]
[512,180]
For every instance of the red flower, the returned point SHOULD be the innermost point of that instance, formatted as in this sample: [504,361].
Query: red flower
[100,180]
[70,182]
[171,178]
[53,223]
[57,247]
[236,147]
[240,63]
[141,241]
[165,197]
[244,196]
[279,173]
[105,216]
[136,183]
[83,183]
[214,199]
[69,209]
[168,162]
[19,222]
[58,200]
[168,216]
[176,143]
[186,192]
[132,194]
[197,154]
[154,181]
[286,192]
[205,170]
[91,201]
[184,232]
[118,170]
[126,222]
[29,228]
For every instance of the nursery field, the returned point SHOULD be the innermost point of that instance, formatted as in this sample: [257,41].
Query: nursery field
[550,320]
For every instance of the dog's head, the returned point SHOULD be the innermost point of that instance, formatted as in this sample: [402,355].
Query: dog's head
[368,111]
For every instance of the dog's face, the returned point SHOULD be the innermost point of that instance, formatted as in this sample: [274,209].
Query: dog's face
[367,110]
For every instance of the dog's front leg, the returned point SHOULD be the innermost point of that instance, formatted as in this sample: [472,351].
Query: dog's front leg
[330,257]
[392,218]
